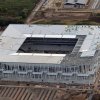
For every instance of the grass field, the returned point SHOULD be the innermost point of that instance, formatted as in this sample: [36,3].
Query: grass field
[15,10]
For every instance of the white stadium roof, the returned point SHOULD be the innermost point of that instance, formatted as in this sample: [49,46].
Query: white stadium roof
[82,1]
[15,34]
[70,1]
[76,1]
[33,58]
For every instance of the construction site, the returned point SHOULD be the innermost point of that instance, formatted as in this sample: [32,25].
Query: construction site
[67,68]
[31,81]
[66,4]
[39,91]
[63,11]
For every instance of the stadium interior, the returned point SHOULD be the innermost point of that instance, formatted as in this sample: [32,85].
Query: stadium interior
[48,45]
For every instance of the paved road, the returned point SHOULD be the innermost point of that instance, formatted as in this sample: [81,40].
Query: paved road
[95,3]
[98,5]
[35,11]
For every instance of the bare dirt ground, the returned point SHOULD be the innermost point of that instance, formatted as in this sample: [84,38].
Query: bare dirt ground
[12,92]
[54,9]
[50,17]
[41,91]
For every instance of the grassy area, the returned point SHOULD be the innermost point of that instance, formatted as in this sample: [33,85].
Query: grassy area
[15,11]
[68,22]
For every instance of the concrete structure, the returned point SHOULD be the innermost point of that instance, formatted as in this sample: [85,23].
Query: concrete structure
[75,3]
[50,53]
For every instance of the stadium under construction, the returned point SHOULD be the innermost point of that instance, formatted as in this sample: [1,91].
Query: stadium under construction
[50,53]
